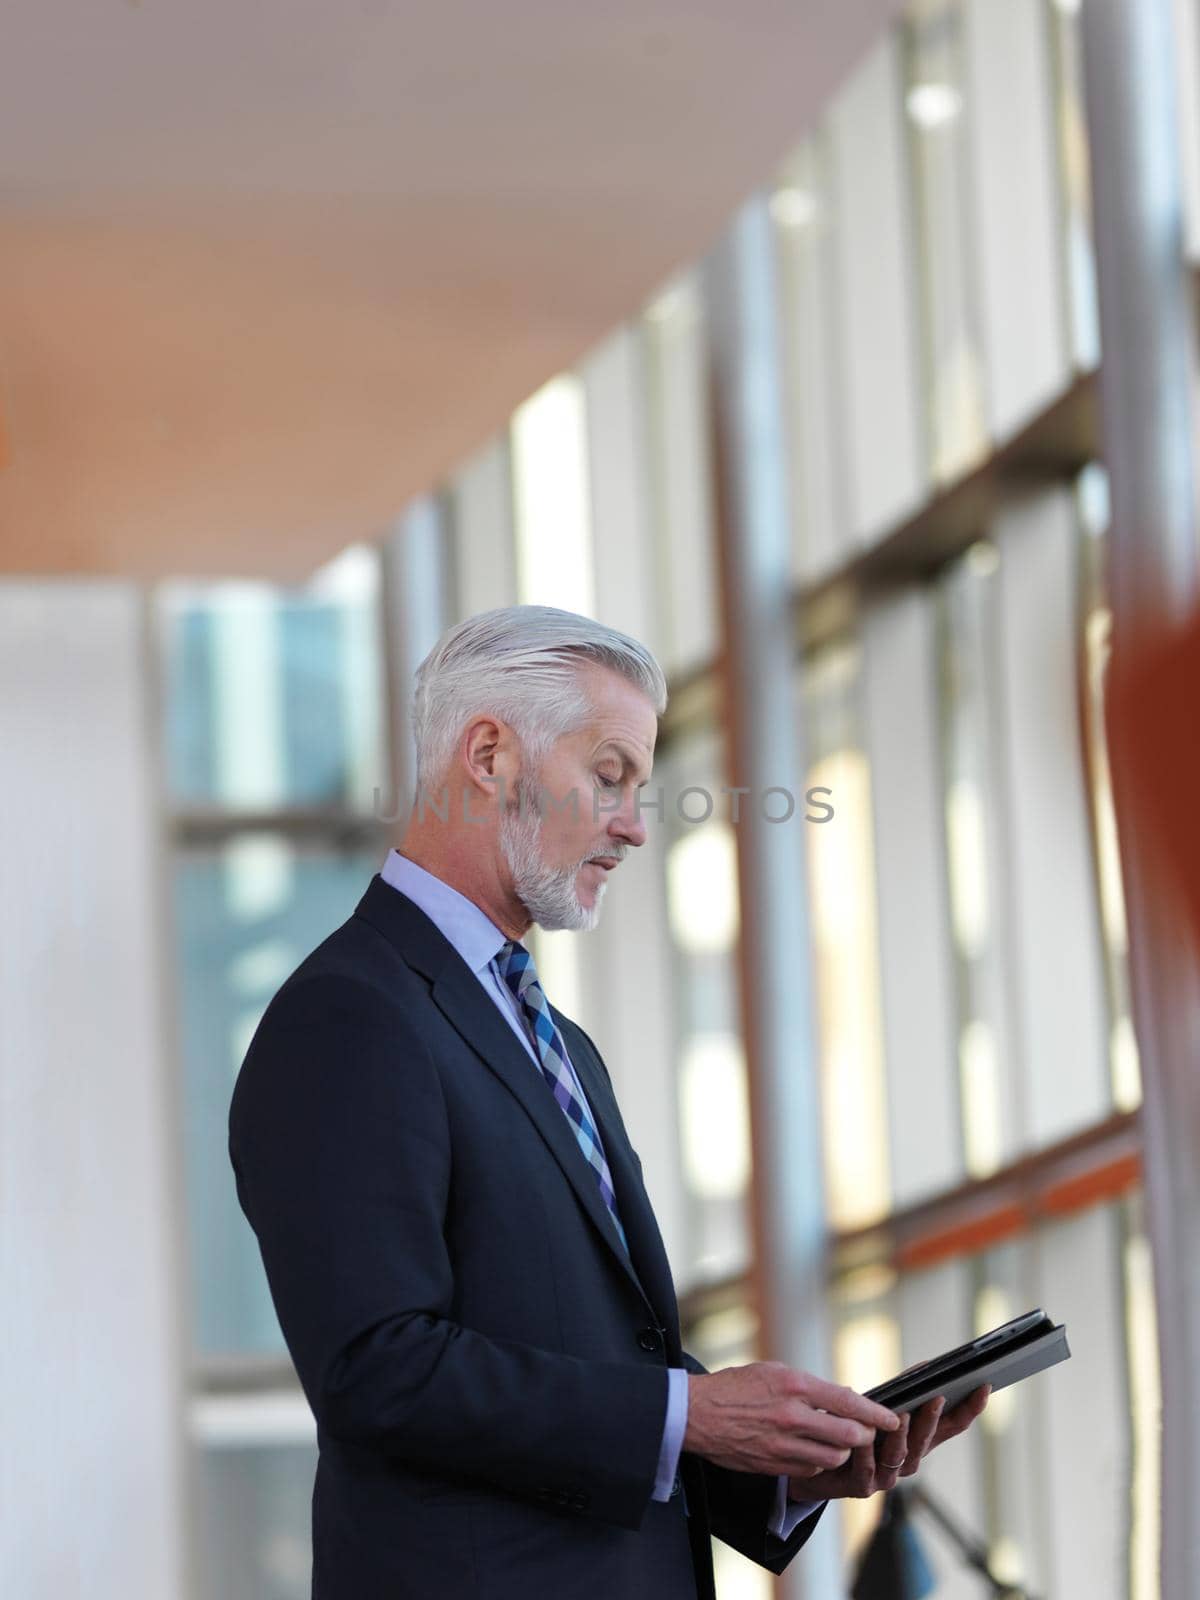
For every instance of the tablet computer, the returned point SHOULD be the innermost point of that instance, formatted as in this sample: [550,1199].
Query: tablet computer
[1015,1350]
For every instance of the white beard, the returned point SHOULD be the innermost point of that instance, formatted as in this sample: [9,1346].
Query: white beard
[547,893]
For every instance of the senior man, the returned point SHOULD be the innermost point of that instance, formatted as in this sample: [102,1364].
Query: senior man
[458,1242]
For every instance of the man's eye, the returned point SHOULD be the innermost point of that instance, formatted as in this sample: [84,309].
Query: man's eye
[608,783]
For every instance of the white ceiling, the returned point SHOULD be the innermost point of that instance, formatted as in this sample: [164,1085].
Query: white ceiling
[269,268]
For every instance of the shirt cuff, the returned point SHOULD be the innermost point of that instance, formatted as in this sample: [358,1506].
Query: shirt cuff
[789,1514]
[673,1431]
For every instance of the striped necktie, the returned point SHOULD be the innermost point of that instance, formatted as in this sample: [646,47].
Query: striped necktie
[516,967]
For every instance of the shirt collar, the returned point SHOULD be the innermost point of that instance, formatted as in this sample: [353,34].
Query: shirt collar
[469,929]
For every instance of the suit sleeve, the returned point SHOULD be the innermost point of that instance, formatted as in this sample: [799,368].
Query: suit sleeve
[740,1505]
[340,1145]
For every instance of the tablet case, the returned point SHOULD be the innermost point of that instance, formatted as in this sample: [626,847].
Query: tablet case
[1000,1370]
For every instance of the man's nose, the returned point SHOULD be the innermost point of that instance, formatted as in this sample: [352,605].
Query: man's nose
[628,824]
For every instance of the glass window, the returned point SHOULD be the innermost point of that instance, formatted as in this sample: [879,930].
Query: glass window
[680,475]
[1145,1400]
[247,912]
[846,945]
[275,697]
[974,848]
[254,1538]
[801,210]
[551,497]
[1076,183]
[937,133]
[1097,625]
[702,902]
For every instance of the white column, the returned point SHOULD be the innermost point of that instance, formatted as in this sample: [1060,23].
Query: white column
[92,1337]
[763,742]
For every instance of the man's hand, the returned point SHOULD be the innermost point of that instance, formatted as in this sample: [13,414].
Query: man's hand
[875,1467]
[767,1417]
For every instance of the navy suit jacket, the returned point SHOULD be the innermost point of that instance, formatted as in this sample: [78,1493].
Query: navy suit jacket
[487,1368]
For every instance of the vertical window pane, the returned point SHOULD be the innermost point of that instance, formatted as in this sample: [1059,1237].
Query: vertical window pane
[935,106]
[246,914]
[701,874]
[897,636]
[1097,624]
[254,1537]
[801,210]
[1145,1400]
[973,777]
[550,490]
[274,697]
[846,947]
[1057,948]
[680,475]
[1087,1463]
[1076,184]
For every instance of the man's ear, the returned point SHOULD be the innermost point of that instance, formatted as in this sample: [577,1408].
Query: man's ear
[490,753]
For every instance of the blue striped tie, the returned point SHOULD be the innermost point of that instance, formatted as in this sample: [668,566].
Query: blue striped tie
[516,967]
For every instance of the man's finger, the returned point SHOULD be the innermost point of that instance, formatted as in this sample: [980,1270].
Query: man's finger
[960,1418]
[924,1426]
[864,1472]
[844,1402]
[892,1449]
[892,1452]
[825,1427]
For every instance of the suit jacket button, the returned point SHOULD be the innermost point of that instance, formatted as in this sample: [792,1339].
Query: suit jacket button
[579,1501]
[650,1339]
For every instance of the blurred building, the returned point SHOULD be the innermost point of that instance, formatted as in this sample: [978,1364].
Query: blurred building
[201,776]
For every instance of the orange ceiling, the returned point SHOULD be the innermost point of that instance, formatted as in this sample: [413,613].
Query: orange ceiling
[267,271]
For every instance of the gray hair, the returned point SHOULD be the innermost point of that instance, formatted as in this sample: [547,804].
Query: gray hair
[521,664]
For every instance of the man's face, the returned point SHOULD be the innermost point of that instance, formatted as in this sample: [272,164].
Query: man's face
[586,791]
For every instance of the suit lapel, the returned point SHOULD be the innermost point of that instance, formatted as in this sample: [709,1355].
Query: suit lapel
[637,1214]
[459,996]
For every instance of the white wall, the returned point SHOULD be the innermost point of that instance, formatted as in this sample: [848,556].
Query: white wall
[91,1473]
